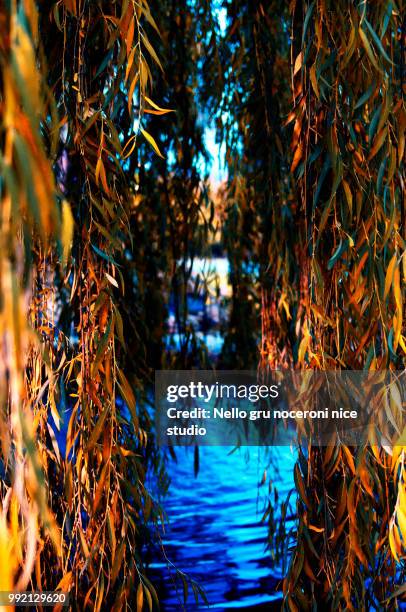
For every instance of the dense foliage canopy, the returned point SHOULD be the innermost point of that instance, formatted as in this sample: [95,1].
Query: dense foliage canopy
[105,202]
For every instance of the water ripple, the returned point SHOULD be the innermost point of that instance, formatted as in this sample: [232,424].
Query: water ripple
[215,533]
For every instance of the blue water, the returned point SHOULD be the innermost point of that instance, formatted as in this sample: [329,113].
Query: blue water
[215,533]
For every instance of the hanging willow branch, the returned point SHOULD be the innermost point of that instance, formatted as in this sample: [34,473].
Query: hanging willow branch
[29,213]
[348,147]
[74,87]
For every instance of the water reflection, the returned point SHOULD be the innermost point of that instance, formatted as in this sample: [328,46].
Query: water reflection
[215,533]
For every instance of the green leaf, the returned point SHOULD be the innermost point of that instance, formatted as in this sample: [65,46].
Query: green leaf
[104,255]
[342,247]
[388,14]
[98,428]
[369,50]
[365,96]
[374,123]
[104,63]
[378,42]
[307,19]
[101,349]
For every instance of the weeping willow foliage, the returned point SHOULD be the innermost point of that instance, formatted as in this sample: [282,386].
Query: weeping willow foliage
[103,208]
[348,148]
[90,260]
[75,78]
[26,518]
[315,197]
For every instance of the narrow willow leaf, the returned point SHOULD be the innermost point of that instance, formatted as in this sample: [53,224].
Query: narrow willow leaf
[100,487]
[301,486]
[111,280]
[100,593]
[101,349]
[128,396]
[313,79]
[140,597]
[118,560]
[67,231]
[389,276]
[151,51]
[342,247]
[149,599]
[152,590]
[130,36]
[306,22]
[378,143]
[369,50]
[395,552]
[297,157]
[298,63]
[396,288]
[129,147]
[157,109]
[152,142]
[102,67]
[119,326]
[97,430]
[348,194]
[130,62]
[388,15]
[146,11]
[378,41]
[104,255]
[131,91]
[365,97]
[374,123]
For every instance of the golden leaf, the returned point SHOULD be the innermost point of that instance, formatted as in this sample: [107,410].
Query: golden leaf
[140,597]
[157,109]
[389,276]
[152,142]
[67,231]
[298,63]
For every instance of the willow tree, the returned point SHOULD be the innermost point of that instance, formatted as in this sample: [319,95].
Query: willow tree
[27,202]
[349,134]
[75,82]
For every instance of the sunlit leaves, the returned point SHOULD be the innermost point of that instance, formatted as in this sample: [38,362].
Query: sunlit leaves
[73,91]
[151,141]
[348,114]
[29,210]
[67,230]
[156,110]
[397,526]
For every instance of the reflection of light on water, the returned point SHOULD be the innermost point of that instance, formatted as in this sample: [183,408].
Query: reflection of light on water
[215,532]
